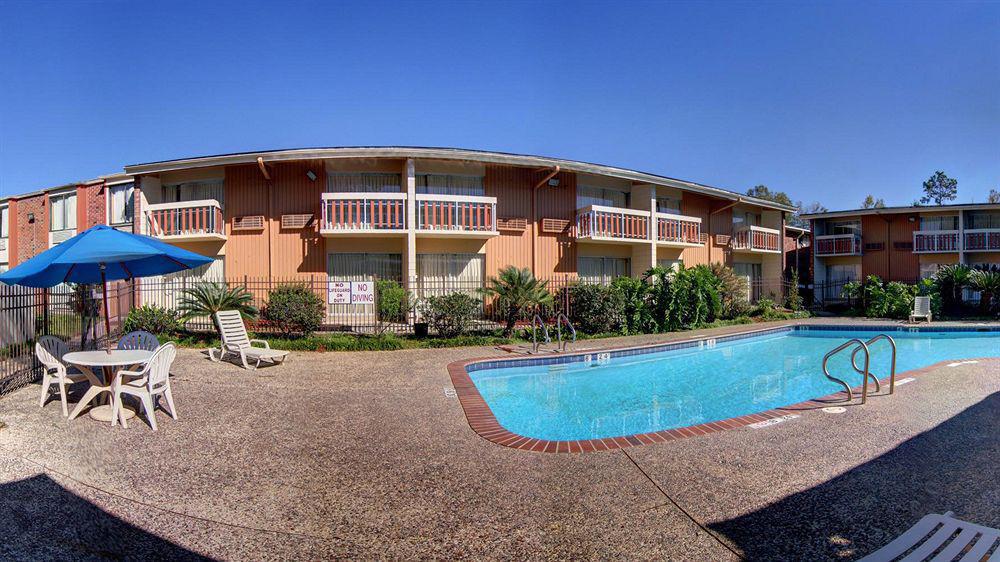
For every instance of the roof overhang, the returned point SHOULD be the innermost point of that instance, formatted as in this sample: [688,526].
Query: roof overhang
[903,210]
[446,154]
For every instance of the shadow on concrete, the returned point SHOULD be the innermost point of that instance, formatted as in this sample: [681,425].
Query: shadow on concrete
[952,467]
[41,520]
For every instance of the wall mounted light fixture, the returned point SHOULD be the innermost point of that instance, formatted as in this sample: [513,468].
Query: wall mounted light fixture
[311,175]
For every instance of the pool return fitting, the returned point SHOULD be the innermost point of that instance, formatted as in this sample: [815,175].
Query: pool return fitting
[858,346]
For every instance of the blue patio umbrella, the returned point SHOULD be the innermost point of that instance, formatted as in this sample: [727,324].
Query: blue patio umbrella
[101,254]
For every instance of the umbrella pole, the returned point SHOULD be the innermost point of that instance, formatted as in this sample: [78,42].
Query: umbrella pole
[107,314]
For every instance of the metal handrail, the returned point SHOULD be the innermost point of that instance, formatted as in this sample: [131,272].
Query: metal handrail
[535,322]
[847,387]
[892,372]
[559,322]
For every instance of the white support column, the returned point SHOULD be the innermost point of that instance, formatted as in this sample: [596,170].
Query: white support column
[644,255]
[410,186]
[961,237]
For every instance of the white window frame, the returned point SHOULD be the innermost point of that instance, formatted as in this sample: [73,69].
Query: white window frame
[4,221]
[110,201]
[63,196]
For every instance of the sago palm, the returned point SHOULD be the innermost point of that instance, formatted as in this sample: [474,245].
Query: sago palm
[986,280]
[205,299]
[516,290]
[950,281]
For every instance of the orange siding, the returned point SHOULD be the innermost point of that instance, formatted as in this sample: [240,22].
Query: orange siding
[556,251]
[695,205]
[296,253]
[247,252]
[889,263]
[512,188]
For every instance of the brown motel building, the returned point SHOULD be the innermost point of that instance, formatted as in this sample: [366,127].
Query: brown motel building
[418,215]
[900,243]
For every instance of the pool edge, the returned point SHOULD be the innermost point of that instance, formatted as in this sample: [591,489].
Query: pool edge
[484,423]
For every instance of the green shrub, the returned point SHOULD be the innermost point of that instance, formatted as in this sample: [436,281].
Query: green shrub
[692,298]
[733,291]
[951,280]
[518,294]
[636,316]
[928,288]
[294,309]
[450,315]
[151,318]
[596,309]
[793,301]
[206,298]
[986,280]
[393,301]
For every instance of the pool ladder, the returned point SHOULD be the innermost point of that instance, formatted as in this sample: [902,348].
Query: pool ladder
[561,320]
[535,323]
[859,346]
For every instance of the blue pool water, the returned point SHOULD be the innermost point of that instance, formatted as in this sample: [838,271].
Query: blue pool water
[668,389]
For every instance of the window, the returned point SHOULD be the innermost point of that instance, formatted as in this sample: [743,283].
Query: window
[3,222]
[194,191]
[671,265]
[669,205]
[587,195]
[62,212]
[121,203]
[839,275]
[365,267]
[602,270]
[745,218]
[363,183]
[752,273]
[844,227]
[979,220]
[949,222]
[440,274]
[442,184]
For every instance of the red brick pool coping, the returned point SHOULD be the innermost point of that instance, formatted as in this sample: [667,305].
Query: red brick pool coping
[484,423]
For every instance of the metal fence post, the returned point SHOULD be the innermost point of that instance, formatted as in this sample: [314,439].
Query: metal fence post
[45,311]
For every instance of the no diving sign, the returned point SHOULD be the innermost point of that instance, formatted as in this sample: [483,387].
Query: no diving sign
[351,292]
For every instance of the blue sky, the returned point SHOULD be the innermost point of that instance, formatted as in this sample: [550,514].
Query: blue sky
[827,101]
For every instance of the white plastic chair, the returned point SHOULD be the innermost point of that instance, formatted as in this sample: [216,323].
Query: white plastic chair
[50,350]
[921,309]
[146,385]
[139,340]
[931,533]
[236,341]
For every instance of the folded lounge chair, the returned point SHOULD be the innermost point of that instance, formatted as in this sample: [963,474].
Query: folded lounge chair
[970,543]
[921,309]
[236,341]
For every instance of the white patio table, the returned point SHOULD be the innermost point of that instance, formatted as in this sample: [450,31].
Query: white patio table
[109,364]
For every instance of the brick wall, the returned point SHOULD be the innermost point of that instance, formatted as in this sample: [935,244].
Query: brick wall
[32,238]
[94,199]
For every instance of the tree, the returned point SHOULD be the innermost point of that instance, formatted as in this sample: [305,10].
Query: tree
[939,188]
[871,203]
[517,290]
[993,197]
[763,192]
[205,299]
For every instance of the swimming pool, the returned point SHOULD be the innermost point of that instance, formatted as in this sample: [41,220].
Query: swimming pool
[639,391]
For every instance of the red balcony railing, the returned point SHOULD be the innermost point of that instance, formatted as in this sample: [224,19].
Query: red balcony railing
[678,228]
[838,245]
[454,213]
[982,240]
[757,239]
[185,218]
[348,212]
[930,241]
[612,223]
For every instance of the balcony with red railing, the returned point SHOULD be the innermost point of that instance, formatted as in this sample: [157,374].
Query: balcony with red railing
[838,245]
[189,221]
[756,239]
[982,240]
[936,241]
[456,215]
[678,230]
[363,214]
[596,223]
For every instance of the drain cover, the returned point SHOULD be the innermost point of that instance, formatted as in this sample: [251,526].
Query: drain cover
[835,410]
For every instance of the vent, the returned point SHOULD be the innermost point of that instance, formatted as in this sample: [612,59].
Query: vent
[904,246]
[251,222]
[874,246]
[296,221]
[721,239]
[512,223]
[555,225]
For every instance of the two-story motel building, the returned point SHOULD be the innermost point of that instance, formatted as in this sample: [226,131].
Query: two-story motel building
[412,214]
[901,243]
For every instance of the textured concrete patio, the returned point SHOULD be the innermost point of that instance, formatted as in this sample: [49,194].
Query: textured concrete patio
[364,455]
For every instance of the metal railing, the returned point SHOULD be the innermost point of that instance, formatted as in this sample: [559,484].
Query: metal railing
[537,322]
[612,223]
[982,240]
[756,239]
[185,218]
[838,245]
[454,213]
[892,372]
[678,228]
[847,387]
[349,212]
[930,241]
[560,320]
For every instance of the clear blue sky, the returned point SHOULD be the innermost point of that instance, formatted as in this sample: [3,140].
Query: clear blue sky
[825,101]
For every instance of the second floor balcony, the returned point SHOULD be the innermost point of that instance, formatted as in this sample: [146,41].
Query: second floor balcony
[678,230]
[936,241]
[186,221]
[756,239]
[982,240]
[838,245]
[363,214]
[597,223]
[456,215]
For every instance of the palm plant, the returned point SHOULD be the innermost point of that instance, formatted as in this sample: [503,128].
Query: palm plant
[986,280]
[950,281]
[517,290]
[205,299]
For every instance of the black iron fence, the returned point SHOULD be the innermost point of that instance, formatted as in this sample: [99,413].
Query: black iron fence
[68,312]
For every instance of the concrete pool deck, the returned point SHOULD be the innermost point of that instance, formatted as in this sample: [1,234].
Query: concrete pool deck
[365,455]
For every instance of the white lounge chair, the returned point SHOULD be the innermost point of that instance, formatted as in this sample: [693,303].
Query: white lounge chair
[921,309]
[236,341]
[50,350]
[152,381]
[937,529]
